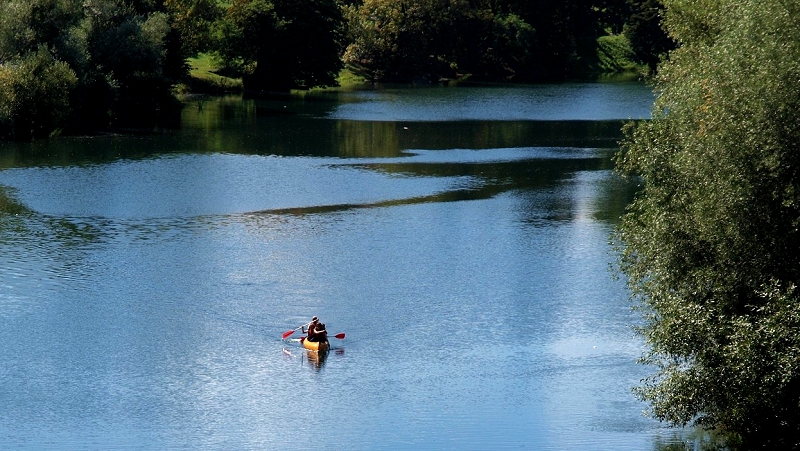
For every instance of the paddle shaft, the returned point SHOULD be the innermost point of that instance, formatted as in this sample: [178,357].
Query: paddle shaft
[290,332]
[340,336]
[286,334]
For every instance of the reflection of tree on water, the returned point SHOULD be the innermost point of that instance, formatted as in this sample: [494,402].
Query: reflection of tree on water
[17,221]
[9,206]
[695,439]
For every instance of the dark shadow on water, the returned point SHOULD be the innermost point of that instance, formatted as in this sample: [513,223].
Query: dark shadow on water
[698,439]
[485,180]
[301,127]
[449,196]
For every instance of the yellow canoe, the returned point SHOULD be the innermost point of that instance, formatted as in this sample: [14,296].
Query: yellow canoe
[315,345]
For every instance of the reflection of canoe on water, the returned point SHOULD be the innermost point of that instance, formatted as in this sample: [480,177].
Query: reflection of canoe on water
[315,345]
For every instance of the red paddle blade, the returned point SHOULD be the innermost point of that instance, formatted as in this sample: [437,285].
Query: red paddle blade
[287,333]
[340,336]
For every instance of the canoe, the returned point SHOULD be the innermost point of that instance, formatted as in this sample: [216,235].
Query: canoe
[315,345]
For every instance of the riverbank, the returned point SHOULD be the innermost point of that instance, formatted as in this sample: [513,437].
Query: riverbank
[615,61]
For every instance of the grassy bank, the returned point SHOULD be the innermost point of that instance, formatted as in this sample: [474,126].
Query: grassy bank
[204,79]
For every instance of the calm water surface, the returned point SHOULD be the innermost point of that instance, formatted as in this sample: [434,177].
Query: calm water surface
[459,237]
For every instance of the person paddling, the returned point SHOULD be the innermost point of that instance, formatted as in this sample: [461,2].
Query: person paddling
[320,334]
[312,333]
[312,330]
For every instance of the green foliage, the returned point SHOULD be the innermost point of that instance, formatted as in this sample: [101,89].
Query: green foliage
[643,29]
[127,54]
[373,34]
[614,54]
[126,46]
[522,40]
[566,34]
[309,45]
[431,39]
[712,243]
[205,79]
[694,21]
[26,25]
[194,21]
[396,40]
[121,59]
[34,95]
[246,26]
[282,44]
[509,45]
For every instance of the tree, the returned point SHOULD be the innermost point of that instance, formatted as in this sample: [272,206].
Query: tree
[24,26]
[34,95]
[648,39]
[711,245]
[405,40]
[128,59]
[507,48]
[95,62]
[35,82]
[428,40]
[283,44]
[193,20]
[566,34]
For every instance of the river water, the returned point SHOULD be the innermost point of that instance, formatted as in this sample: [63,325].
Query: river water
[459,237]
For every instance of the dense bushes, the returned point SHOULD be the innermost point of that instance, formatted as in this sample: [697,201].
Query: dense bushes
[34,94]
[83,65]
[712,243]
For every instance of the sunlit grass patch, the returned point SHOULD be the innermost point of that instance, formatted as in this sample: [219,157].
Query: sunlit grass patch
[203,77]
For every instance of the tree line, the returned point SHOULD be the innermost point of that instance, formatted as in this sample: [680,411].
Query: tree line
[82,65]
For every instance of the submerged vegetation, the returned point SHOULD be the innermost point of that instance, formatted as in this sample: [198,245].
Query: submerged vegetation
[87,65]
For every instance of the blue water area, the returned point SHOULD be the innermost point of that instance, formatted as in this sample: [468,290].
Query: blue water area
[460,239]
